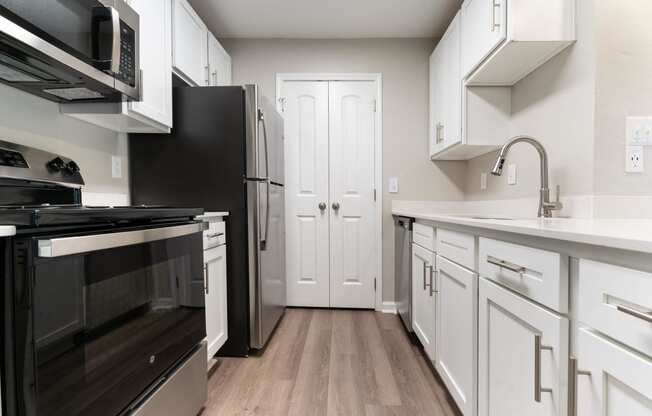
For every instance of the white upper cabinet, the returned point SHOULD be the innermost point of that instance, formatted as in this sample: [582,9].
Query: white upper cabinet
[503,41]
[153,114]
[219,63]
[446,91]
[189,44]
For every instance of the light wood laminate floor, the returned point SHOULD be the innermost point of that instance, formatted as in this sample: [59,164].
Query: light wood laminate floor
[330,362]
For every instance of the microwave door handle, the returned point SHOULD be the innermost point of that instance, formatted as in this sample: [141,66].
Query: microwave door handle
[116,47]
[65,246]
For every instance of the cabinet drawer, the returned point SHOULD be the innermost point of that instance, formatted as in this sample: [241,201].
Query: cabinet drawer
[617,302]
[457,247]
[424,235]
[215,235]
[538,274]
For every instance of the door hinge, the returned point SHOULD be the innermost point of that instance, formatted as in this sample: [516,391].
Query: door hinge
[282,101]
[375,106]
[374,284]
[374,195]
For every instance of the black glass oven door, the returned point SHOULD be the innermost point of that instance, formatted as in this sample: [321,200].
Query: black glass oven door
[83,28]
[108,323]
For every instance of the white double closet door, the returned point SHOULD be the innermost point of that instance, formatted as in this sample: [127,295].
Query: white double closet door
[330,205]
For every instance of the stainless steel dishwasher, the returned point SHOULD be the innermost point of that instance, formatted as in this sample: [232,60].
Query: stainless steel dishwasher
[403,268]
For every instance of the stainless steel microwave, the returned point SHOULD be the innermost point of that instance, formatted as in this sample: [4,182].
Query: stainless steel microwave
[71,50]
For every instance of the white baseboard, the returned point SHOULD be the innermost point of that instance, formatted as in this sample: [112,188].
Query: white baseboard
[388,307]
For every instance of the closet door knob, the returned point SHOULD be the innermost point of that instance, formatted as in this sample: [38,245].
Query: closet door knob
[322,206]
[336,206]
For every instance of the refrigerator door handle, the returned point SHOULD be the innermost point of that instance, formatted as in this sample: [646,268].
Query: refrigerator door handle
[263,242]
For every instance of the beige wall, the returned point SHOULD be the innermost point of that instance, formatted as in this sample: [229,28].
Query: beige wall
[554,104]
[404,66]
[624,88]
[35,122]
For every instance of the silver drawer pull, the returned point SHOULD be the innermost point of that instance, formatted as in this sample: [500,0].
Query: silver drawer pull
[426,267]
[573,372]
[504,264]
[214,235]
[537,368]
[633,312]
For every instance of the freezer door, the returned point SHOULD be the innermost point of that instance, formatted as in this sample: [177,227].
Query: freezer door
[265,143]
[268,286]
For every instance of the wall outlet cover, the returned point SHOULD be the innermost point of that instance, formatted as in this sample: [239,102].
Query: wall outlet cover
[116,167]
[634,162]
[483,181]
[392,185]
[638,131]
[511,174]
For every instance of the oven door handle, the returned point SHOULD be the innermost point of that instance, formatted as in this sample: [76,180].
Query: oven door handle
[65,246]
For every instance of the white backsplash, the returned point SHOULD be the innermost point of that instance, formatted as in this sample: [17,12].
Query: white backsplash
[105,199]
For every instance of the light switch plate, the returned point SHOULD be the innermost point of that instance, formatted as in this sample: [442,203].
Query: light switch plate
[634,162]
[638,131]
[483,181]
[511,174]
[392,185]
[116,167]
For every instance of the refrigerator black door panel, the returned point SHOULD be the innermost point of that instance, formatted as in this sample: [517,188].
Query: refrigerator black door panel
[201,163]
[270,283]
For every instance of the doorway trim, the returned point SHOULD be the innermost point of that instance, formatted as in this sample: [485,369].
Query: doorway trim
[377,78]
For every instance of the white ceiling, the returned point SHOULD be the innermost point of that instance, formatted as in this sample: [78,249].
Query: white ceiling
[326,19]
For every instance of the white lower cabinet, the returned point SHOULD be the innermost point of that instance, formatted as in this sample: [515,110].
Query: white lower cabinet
[620,380]
[216,301]
[522,356]
[423,298]
[456,332]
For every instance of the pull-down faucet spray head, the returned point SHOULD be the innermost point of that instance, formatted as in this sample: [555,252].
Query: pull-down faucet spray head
[498,166]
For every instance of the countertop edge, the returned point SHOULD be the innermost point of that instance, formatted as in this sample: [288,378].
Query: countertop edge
[595,239]
[7,230]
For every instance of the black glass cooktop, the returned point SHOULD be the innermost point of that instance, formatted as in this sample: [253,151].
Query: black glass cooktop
[45,214]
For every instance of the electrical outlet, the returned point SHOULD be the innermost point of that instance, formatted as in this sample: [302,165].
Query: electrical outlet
[634,162]
[393,185]
[483,181]
[116,167]
[511,174]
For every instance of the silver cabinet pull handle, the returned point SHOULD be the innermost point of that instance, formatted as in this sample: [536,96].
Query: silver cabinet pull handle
[494,5]
[433,281]
[573,372]
[633,312]
[214,235]
[537,368]
[504,264]
[206,278]
[439,138]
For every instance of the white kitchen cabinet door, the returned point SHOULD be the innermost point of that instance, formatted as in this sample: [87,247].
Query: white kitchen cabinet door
[620,381]
[216,301]
[219,63]
[456,332]
[483,29]
[155,61]
[423,298]
[516,378]
[189,44]
[446,91]
[307,207]
[153,114]
[352,129]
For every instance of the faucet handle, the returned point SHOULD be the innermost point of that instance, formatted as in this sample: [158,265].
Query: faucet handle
[558,205]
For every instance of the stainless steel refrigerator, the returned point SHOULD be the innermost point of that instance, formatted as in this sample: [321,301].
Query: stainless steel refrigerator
[226,153]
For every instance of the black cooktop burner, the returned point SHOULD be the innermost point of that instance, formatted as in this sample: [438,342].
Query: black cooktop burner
[47,215]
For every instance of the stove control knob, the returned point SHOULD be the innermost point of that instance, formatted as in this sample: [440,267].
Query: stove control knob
[72,167]
[56,164]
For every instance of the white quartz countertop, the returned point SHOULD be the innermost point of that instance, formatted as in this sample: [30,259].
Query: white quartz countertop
[7,230]
[625,234]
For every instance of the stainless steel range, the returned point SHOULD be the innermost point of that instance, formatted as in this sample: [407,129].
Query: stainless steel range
[103,307]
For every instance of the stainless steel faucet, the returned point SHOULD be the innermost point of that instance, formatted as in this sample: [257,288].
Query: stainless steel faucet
[546,207]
